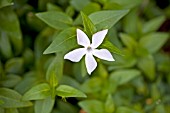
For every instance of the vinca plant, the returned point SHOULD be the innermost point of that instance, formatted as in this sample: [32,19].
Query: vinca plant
[84,56]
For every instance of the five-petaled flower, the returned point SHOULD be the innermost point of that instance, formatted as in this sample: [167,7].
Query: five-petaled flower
[89,50]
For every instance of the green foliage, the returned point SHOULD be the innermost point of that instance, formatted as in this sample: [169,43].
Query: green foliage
[52,7]
[63,42]
[12,99]
[153,24]
[68,91]
[128,41]
[147,65]
[44,106]
[40,91]
[92,85]
[10,81]
[54,72]
[106,19]
[109,105]
[124,76]
[11,110]
[14,65]
[63,21]
[10,29]
[92,106]
[89,27]
[127,3]
[79,5]
[4,41]
[154,41]
[4,3]
[67,107]
[108,45]
[125,110]
[35,36]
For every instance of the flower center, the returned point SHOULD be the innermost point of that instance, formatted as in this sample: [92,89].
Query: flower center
[89,49]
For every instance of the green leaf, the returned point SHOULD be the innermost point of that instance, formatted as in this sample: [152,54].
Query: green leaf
[131,23]
[14,66]
[68,91]
[123,76]
[30,79]
[2,73]
[43,40]
[112,6]
[9,24]
[109,105]
[127,3]
[55,72]
[160,108]
[147,65]
[101,71]
[63,42]
[56,20]
[92,85]
[4,3]
[108,45]
[28,57]
[79,70]
[153,25]
[89,27]
[40,91]
[125,110]
[92,106]
[1,102]
[91,7]
[108,87]
[88,9]
[53,7]
[70,11]
[79,4]
[106,19]
[10,80]
[141,51]
[5,46]
[125,61]
[44,106]
[12,99]
[33,22]
[128,41]
[11,110]
[2,110]
[67,80]
[154,41]
[67,107]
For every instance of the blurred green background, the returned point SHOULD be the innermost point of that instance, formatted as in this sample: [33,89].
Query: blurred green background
[137,82]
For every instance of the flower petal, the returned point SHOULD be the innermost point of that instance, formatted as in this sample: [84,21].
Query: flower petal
[82,38]
[103,54]
[91,63]
[98,38]
[75,55]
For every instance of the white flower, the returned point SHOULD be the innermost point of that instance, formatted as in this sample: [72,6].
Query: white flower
[89,50]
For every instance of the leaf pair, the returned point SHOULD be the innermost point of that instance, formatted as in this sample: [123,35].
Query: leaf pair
[44,100]
[43,91]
